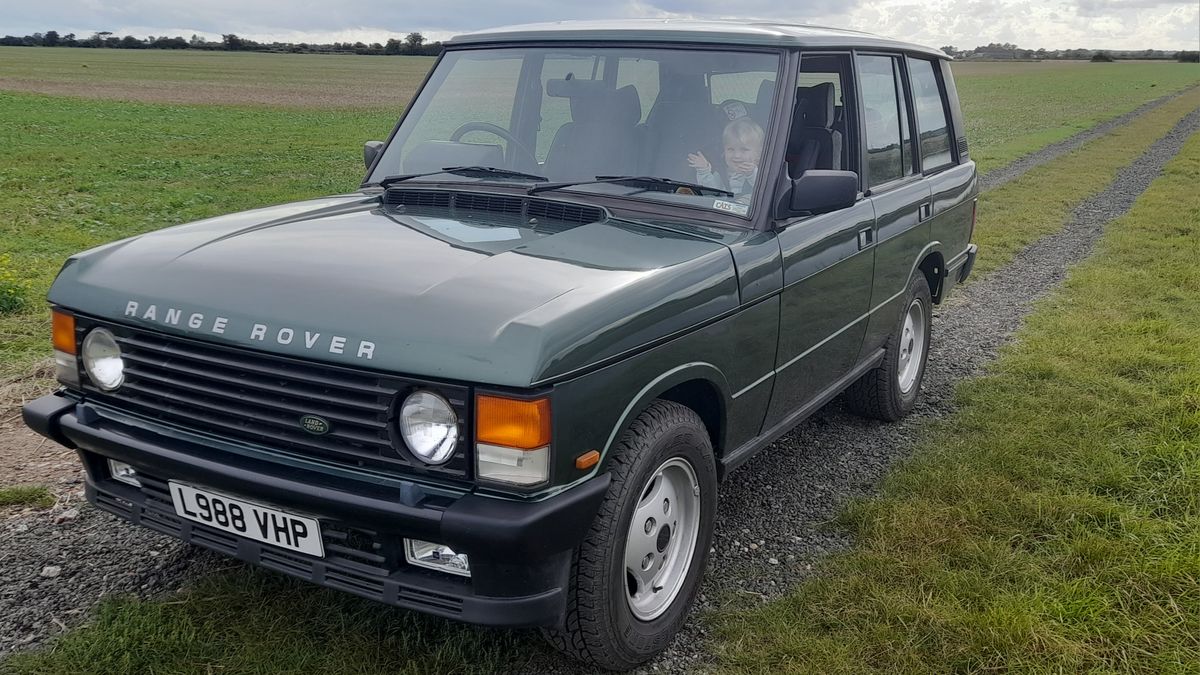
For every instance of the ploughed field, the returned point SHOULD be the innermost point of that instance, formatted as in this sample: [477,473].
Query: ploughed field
[1070,553]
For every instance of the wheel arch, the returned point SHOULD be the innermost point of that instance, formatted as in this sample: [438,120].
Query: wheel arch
[702,387]
[931,262]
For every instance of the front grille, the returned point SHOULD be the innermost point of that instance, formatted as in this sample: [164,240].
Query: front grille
[260,398]
[356,560]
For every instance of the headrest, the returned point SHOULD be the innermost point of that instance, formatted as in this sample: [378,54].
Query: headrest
[593,101]
[766,91]
[574,87]
[816,105]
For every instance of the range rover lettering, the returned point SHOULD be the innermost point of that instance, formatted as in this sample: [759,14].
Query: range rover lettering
[594,269]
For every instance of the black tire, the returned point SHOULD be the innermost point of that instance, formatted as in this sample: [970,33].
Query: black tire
[878,393]
[601,628]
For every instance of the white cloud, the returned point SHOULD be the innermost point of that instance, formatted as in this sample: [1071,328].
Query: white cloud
[1112,24]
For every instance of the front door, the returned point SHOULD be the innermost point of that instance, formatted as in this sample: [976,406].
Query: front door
[828,260]
[827,272]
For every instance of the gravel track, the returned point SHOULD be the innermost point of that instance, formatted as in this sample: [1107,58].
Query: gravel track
[768,531]
[1014,170]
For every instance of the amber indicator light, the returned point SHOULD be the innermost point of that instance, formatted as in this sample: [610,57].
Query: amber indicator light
[587,460]
[512,423]
[63,331]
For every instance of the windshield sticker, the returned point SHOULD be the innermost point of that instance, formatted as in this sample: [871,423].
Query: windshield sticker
[731,207]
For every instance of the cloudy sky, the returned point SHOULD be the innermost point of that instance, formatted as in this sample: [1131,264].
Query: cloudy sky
[1111,24]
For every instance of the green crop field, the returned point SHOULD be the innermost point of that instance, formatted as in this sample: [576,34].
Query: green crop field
[107,149]
[1015,108]
[96,145]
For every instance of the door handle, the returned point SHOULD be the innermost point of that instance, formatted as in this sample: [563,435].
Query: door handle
[866,237]
[925,212]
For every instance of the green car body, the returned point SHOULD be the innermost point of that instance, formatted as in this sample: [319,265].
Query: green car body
[753,323]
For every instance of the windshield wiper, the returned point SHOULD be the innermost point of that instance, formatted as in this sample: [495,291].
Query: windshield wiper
[464,171]
[653,180]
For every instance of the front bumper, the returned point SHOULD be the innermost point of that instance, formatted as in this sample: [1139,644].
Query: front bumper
[520,552]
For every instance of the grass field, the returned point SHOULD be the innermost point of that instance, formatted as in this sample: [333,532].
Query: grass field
[1053,524]
[85,169]
[1012,109]
[75,172]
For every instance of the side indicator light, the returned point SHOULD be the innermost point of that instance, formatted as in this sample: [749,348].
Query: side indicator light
[587,460]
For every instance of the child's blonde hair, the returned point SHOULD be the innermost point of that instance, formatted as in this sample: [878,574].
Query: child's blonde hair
[746,130]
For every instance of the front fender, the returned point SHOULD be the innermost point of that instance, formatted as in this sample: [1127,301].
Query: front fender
[688,372]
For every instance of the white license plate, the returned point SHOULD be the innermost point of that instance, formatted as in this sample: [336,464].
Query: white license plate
[246,519]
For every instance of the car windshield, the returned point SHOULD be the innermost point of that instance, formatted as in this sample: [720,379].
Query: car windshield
[574,114]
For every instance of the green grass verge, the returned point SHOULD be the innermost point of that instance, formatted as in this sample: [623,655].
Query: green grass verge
[1041,201]
[1013,109]
[251,621]
[26,495]
[1053,523]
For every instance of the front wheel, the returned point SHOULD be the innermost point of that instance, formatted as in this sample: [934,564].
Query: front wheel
[638,570]
[889,392]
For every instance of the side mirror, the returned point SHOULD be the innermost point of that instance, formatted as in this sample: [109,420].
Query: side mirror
[371,151]
[819,191]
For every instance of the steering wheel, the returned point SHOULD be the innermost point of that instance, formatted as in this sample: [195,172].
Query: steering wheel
[528,159]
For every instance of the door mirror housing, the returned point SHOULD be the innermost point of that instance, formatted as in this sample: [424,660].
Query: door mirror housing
[818,191]
[371,151]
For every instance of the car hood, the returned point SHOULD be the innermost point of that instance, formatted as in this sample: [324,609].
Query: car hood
[344,280]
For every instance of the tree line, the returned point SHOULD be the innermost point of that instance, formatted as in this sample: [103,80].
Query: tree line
[998,51]
[413,44]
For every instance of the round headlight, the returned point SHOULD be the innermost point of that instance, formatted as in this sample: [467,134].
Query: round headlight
[102,359]
[429,426]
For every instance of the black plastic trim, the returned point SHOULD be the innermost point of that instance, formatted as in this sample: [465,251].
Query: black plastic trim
[520,550]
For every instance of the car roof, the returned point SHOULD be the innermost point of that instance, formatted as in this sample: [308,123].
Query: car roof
[694,31]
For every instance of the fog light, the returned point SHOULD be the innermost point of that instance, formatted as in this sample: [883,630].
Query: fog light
[436,557]
[120,471]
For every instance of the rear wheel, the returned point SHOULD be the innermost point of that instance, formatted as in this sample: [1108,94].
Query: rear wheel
[890,391]
[638,570]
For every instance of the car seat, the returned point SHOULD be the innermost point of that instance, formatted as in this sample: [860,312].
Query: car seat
[601,138]
[813,142]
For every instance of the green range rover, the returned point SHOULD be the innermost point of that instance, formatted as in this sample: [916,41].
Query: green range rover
[595,268]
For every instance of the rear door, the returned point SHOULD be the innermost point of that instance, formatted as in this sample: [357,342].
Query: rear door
[895,186]
[950,174]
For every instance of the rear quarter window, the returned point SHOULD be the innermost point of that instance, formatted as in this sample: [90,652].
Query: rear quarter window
[930,106]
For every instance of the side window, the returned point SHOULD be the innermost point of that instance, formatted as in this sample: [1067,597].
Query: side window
[907,161]
[819,137]
[643,75]
[737,86]
[931,115]
[883,116]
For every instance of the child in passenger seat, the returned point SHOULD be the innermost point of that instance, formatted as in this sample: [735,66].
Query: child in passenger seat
[743,140]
